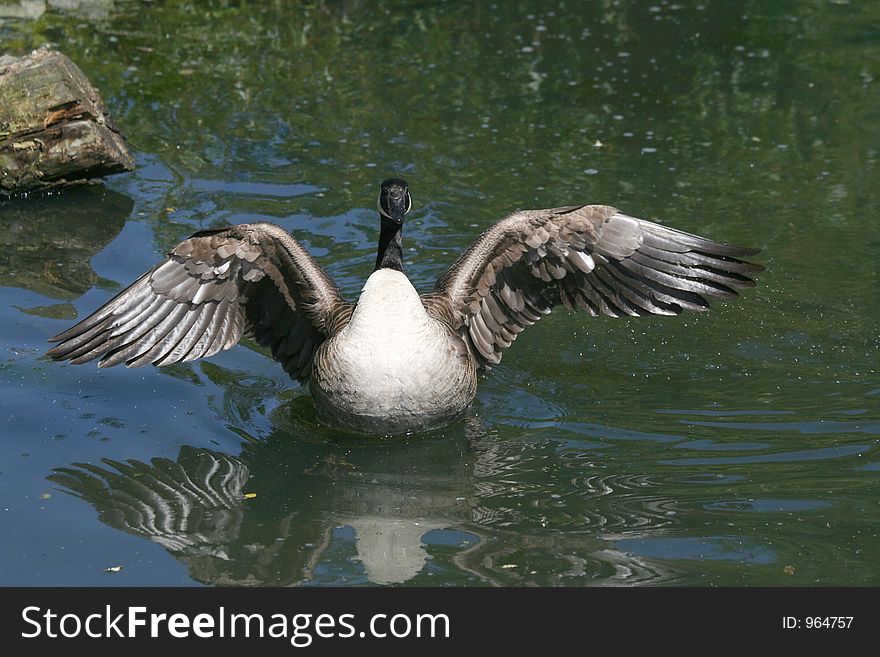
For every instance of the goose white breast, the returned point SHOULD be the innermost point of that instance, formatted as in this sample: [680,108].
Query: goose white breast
[393,365]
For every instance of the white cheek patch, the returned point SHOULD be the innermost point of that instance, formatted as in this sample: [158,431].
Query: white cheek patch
[385,214]
[379,206]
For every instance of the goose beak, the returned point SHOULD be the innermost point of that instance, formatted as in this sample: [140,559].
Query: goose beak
[397,208]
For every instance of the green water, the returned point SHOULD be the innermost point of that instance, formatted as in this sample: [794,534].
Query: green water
[738,447]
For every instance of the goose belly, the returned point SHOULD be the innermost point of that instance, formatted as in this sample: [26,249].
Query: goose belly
[393,369]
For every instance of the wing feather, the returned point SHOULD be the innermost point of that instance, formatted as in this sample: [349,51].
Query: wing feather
[214,287]
[591,258]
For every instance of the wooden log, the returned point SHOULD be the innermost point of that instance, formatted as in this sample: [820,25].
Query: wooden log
[54,128]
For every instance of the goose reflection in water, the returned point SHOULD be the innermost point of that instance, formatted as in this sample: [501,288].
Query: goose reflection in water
[209,510]
[277,513]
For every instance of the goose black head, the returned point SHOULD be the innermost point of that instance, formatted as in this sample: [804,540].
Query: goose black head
[394,200]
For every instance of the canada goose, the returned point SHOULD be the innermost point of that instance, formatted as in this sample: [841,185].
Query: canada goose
[397,361]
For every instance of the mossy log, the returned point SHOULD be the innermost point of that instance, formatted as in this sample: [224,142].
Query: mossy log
[54,127]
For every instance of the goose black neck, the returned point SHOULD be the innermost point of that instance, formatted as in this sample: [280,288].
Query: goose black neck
[390,253]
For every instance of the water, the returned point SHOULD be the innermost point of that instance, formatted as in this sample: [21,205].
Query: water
[734,448]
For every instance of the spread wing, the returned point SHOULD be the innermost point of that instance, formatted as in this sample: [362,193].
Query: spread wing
[250,279]
[588,257]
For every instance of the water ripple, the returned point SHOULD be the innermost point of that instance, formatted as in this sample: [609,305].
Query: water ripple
[721,412]
[251,188]
[711,548]
[819,454]
[616,433]
[766,505]
[808,427]
[714,446]
[518,559]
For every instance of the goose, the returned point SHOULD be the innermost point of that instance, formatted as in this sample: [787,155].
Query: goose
[397,361]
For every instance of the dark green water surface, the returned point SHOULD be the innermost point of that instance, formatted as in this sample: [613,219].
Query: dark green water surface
[738,447]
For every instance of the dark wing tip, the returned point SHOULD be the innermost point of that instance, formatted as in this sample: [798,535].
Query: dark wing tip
[722,249]
[61,337]
[747,251]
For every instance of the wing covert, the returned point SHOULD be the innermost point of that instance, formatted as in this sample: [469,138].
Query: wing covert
[250,279]
[590,257]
